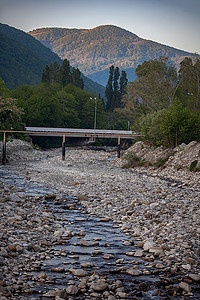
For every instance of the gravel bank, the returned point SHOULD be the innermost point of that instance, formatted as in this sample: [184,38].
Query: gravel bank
[161,213]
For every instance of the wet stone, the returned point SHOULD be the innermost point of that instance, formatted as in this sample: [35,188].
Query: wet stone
[72,290]
[99,285]
[78,272]
[194,277]
[159,216]
[184,286]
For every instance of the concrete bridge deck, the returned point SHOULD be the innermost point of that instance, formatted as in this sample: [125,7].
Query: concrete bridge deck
[71,132]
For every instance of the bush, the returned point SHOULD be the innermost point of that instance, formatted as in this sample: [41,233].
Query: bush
[193,166]
[132,160]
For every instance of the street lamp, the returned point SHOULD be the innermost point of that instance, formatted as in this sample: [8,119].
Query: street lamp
[95,112]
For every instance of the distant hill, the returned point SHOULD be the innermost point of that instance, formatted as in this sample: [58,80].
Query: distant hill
[93,51]
[23,58]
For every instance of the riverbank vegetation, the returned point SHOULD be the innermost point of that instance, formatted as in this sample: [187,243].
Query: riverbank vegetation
[162,103]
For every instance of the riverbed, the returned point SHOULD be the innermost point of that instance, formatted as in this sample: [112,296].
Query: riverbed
[101,232]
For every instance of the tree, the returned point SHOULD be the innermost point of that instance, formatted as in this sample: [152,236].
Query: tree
[179,125]
[62,75]
[65,73]
[76,78]
[115,89]
[68,115]
[122,86]
[4,91]
[109,89]
[188,91]
[155,85]
[10,114]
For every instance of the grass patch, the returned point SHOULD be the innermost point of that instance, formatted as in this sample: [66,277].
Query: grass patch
[193,166]
[161,161]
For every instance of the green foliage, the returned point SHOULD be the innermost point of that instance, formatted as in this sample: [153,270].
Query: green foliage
[189,89]
[132,160]
[4,91]
[162,161]
[149,125]
[170,127]
[51,105]
[193,166]
[10,114]
[62,75]
[114,92]
[22,58]
[156,105]
[179,125]
[155,86]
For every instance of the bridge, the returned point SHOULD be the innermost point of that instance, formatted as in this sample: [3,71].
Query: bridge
[71,132]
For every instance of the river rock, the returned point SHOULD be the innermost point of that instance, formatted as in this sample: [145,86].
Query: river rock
[86,243]
[194,277]
[184,286]
[134,272]
[148,245]
[72,290]
[108,256]
[51,294]
[139,253]
[78,272]
[99,285]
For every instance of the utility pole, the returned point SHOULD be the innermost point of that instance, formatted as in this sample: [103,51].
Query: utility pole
[95,113]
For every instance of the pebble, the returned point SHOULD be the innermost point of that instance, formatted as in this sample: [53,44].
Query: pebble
[159,215]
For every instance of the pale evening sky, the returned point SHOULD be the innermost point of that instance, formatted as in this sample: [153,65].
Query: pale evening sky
[171,22]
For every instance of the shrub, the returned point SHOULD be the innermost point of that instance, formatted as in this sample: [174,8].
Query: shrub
[132,160]
[193,166]
[161,161]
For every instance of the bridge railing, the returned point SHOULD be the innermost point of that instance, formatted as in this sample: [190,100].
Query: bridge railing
[71,132]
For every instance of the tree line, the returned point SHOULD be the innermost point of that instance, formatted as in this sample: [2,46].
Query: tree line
[162,103]
[64,74]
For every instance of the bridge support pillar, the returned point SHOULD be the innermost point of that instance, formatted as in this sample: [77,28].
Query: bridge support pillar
[63,148]
[119,147]
[4,149]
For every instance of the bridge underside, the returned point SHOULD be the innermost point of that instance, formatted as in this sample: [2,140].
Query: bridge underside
[71,132]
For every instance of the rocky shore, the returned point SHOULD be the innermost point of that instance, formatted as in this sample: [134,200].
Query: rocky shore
[157,208]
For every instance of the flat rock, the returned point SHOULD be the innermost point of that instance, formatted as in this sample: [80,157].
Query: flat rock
[194,277]
[78,272]
[99,285]
[139,253]
[184,286]
[134,272]
[86,244]
[108,256]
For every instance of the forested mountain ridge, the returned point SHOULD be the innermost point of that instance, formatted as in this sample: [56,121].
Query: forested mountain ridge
[23,58]
[93,51]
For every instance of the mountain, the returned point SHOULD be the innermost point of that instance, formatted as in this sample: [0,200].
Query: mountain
[23,58]
[93,51]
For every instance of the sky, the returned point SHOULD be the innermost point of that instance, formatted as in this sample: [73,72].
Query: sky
[175,23]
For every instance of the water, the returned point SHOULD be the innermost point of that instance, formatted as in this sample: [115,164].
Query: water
[103,237]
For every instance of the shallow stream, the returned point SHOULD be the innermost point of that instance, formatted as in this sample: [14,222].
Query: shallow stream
[103,252]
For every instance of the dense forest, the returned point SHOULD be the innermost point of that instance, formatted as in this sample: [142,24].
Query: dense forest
[93,51]
[162,104]
[23,58]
